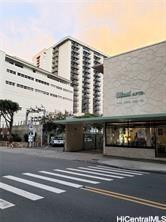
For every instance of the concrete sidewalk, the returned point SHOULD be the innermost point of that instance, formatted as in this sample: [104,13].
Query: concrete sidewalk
[98,158]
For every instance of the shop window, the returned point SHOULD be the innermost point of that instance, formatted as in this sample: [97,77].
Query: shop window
[134,135]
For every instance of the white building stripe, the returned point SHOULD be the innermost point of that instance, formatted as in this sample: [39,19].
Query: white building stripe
[122,170]
[84,175]
[108,172]
[20,192]
[69,177]
[95,173]
[54,180]
[34,184]
[5,204]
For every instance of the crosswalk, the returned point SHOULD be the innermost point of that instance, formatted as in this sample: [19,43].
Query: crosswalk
[77,178]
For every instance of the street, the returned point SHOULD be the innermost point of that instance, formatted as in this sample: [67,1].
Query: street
[35,188]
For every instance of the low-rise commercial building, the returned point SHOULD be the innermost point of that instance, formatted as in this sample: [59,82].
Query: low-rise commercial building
[30,86]
[135,99]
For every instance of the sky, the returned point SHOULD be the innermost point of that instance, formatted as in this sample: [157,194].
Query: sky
[110,26]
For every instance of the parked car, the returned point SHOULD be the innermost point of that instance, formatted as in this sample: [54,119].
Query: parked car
[57,141]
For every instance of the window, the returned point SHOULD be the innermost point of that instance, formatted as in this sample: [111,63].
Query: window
[19,65]
[41,91]
[25,87]
[25,76]
[66,90]
[65,98]
[11,71]
[130,135]
[54,95]
[42,82]
[10,83]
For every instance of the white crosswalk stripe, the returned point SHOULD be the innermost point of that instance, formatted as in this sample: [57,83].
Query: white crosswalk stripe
[122,170]
[54,180]
[35,184]
[5,204]
[70,177]
[84,175]
[95,173]
[20,192]
[108,172]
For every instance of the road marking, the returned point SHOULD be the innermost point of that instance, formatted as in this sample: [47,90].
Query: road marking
[5,204]
[103,171]
[95,173]
[84,175]
[54,180]
[119,169]
[116,170]
[20,192]
[34,184]
[69,177]
[126,197]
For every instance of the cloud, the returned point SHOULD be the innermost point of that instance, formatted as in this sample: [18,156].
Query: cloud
[43,24]
[116,26]
[111,26]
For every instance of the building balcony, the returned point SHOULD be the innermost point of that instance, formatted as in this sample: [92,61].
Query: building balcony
[75,59]
[97,94]
[85,68]
[96,57]
[76,88]
[74,53]
[75,48]
[76,94]
[74,78]
[75,83]
[74,66]
[97,82]
[97,76]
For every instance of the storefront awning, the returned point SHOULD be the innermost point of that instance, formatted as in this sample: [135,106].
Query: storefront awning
[117,119]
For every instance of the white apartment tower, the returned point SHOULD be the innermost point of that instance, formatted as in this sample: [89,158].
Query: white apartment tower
[74,60]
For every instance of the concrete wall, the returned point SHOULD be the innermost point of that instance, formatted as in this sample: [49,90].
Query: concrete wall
[45,59]
[135,82]
[74,137]
[64,60]
[56,97]
[130,152]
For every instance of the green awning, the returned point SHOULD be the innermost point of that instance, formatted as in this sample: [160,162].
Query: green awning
[118,119]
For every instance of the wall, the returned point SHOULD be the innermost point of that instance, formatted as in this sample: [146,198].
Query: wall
[27,98]
[130,152]
[74,137]
[45,59]
[138,78]
[64,60]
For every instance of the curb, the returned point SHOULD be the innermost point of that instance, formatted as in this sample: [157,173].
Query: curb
[128,168]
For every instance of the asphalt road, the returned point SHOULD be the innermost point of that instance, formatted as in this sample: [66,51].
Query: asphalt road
[98,199]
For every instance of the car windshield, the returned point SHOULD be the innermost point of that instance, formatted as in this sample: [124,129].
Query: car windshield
[58,138]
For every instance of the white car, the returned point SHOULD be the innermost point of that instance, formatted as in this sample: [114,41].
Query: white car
[57,141]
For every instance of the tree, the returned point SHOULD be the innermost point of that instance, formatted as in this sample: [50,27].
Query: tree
[7,110]
[50,126]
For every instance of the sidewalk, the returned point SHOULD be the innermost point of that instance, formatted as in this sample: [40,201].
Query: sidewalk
[98,158]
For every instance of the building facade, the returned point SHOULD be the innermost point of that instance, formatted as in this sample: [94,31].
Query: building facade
[135,101]
[29,86]
[74,60]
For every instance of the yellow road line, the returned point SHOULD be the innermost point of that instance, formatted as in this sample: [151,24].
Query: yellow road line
[127,197]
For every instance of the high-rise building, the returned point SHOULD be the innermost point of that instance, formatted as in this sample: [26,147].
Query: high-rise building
[32,87]
[74,60]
